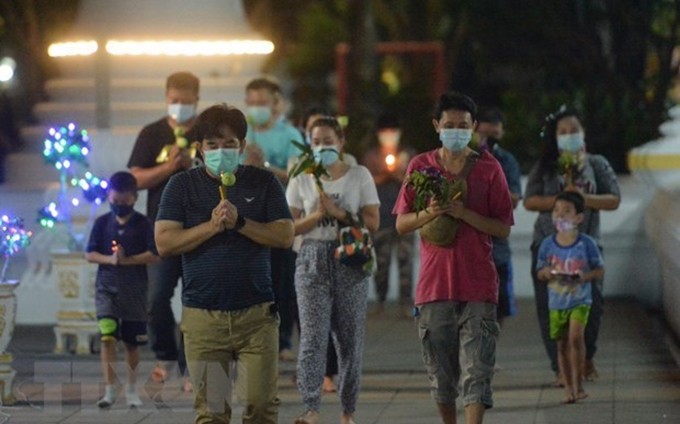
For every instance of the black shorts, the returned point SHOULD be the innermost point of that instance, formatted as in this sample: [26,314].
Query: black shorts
[131,332]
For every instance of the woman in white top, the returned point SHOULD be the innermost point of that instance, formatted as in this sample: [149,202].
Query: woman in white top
[330,295]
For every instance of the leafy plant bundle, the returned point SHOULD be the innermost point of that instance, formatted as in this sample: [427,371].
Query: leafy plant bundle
[307,163]
[430,183]
[570,165]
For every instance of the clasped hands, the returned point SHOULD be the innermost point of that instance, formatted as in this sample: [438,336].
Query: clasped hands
[178,158]
[327,208]
[454,208]
[118,256]
[223,216]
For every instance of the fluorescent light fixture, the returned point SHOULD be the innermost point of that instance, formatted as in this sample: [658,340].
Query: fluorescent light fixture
[189,48]
[165,48]
[72,48]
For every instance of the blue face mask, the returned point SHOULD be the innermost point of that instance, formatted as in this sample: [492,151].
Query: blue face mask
[326,155]
[572,143]
[455,139]
[221,160]
[258,115]
[181,112]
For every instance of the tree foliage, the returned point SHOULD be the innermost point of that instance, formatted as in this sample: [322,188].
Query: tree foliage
[615,60]
[612,59]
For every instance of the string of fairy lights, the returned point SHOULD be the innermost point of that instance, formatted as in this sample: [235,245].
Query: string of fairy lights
[67,149]
[13,238]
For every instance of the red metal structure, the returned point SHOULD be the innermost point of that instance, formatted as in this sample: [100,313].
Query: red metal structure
[428,48]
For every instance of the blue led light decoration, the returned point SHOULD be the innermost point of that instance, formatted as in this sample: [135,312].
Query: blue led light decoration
[66,146]
[13,238]
[48,216]
[94,188]
[67,149]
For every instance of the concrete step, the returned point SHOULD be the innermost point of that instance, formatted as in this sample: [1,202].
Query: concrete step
[83,113]
[213,90]
[123,113]
[19,196]
[149,67]
[110,153]
[28,169]
[35,135]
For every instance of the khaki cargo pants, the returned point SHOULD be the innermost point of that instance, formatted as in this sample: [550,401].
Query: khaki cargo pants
[213,342]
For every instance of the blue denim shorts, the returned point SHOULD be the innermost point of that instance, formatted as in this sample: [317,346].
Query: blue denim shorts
[459,349]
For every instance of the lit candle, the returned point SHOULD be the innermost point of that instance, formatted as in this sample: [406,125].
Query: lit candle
[390,161]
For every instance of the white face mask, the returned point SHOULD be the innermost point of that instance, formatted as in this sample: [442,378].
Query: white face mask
[572,143]
[455,139]
[181,112]
[563,225]
[326,155]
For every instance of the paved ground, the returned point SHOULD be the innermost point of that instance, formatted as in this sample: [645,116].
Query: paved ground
[639,379]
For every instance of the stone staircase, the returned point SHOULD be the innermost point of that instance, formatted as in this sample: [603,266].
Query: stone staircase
[135,102]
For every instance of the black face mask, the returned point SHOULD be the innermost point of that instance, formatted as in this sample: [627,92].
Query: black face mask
[121,211]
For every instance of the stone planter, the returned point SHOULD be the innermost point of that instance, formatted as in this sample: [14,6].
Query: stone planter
[8,314]
[76,317]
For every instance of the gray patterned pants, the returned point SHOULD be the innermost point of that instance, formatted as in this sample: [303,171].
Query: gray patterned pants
[331,297]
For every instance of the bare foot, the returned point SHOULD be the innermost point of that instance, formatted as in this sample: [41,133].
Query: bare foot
[159,373]
[287,355]
[309,417]
[406,312]
[590,372]
[328,385]
[346,419]
[581,395]
[187,386]
[559,381]
[379,310]
[568,399]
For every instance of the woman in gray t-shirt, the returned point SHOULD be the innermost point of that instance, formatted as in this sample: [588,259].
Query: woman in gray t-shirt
[566,166]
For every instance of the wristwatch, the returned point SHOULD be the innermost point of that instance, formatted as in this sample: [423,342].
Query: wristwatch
[240,222]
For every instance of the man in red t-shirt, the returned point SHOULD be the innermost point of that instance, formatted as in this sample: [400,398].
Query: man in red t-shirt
[457,288]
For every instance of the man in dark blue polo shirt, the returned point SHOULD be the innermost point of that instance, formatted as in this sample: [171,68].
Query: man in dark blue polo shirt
[491,128]
[227,295]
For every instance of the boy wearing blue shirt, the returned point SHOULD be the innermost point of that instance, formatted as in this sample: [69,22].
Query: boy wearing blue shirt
[568,262]
[122,243]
